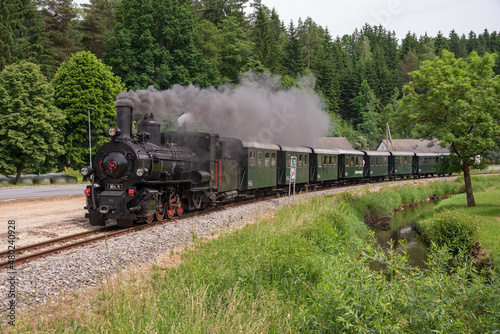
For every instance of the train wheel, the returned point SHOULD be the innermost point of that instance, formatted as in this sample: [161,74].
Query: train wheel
[150,219]
[169,211]
[180,209]
[160,215]
[197,200]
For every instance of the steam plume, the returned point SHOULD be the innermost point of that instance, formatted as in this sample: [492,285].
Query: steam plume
[256,110]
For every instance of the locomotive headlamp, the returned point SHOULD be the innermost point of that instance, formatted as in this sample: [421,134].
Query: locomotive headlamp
[86,171]
[114,131]
[141,171]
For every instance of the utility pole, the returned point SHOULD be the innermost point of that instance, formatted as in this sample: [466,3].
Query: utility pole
[90,137]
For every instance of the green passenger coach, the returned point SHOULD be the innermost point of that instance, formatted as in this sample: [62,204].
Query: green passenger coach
[257,163]
[376,165]
[400,164]
[302,164]
[324,166]
[350,165]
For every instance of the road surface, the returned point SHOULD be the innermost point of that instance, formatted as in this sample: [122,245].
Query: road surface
[42,191]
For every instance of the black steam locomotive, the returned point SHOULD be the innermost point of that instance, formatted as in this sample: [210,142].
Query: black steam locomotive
[153,174]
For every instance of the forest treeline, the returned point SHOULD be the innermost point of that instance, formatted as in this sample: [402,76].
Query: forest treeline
[209,42]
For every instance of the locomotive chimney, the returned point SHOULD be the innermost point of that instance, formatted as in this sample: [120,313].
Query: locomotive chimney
[124,121]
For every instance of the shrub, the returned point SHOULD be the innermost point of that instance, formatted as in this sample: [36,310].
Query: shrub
[456,230]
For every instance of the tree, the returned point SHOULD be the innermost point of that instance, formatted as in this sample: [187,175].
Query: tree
[456,101]
[30,125]
[21,36]
[60,33]
[153,45]
[236,50]
[97,25]
[82,82]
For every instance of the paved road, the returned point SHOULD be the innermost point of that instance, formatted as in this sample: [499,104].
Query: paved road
[42,191]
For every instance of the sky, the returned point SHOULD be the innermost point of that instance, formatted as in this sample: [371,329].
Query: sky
[418,16]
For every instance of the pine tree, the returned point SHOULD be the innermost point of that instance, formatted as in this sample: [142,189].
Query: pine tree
[60,33]
[153,45]
[293,62]
[97,25]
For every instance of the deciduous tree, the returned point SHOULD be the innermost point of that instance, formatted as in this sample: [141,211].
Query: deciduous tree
[31,126]
[456,101]
[82,82]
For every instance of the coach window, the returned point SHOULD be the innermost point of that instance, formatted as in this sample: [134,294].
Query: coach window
[325,160]
[273,160]
[330,162]
[335,160]
[259,159]
[306,160]
[252,158]
[347,160]
[301,161]
[372,161]
[266,159]
[319,161]
[288,158]
[352,160]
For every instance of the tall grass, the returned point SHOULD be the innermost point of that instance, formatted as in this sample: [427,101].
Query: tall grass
[304,270]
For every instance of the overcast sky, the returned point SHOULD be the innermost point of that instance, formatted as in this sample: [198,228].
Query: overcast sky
[418,16]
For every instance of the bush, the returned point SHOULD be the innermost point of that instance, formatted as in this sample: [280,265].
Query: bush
[456,230]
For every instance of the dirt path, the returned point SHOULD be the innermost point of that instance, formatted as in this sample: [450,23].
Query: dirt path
[40,219]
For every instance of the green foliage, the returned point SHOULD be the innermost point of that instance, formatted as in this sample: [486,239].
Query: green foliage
[97,25]
[31,126]
[456,101]
[21,36]
[153,45]
[456,230]
[80,83]
[60,33]
[353,299]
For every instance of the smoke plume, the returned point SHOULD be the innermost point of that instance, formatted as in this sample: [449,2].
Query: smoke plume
[256,110]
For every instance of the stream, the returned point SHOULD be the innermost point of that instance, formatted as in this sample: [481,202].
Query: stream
[402,227]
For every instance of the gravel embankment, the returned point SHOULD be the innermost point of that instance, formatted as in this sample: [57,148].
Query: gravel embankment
[88,265]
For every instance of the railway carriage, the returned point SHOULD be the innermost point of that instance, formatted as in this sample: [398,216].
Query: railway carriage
[400,164]
[323,168]
[424,164]
[376,165]
[257,163]
[284,164]
[350,166]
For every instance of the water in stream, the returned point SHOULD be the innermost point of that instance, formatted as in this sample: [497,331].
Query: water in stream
[402,227]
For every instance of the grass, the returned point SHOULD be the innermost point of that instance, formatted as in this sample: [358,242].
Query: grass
[487,197]
[304,269]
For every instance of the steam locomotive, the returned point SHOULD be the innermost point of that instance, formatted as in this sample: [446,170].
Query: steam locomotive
[153,174]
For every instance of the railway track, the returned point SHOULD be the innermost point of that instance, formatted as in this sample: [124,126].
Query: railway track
[42,249]
[88,237]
